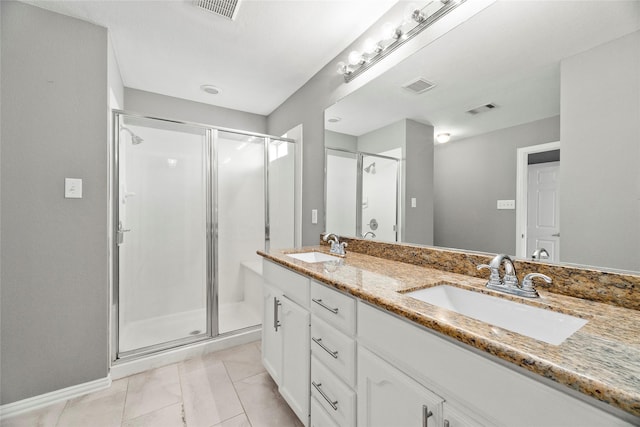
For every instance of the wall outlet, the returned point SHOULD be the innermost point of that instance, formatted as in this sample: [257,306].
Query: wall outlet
[72,188]
[413,202]
[506,204]
[314,216]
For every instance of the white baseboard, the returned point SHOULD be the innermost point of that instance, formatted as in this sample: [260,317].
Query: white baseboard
[123,369]
[42,400]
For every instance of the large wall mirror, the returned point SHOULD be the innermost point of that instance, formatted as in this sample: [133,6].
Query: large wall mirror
[542,103]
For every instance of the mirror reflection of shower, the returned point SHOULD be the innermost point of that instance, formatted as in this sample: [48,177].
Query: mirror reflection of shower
[135,139]
[371,168]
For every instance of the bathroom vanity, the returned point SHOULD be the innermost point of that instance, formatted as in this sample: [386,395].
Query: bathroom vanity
[348,346]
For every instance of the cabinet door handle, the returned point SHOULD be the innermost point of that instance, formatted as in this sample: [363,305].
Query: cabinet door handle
[323,305]
[324,347]
[333,403]
[426,413]
[276,321]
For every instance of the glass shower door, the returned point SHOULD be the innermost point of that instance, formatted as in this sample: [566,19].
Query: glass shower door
[240,163]
[162,234]
[341,192]
[379,211]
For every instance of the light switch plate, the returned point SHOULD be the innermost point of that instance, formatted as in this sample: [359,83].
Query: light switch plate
[73,188]
[506,204]
[413,202]
[314,216]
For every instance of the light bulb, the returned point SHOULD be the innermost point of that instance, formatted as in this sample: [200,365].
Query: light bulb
[443,137]
[355,58]
[342,68]
[388,31]
[370,46]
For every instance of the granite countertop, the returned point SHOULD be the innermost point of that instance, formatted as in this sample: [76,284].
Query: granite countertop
[601,360]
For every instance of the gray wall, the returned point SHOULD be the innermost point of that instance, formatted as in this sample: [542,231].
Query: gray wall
[600,173]
[384,139]
[419,183]
[162,106]
[340,141]
[471,175]
[54,303]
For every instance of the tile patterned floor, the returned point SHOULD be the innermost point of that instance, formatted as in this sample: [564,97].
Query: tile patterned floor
[229,388]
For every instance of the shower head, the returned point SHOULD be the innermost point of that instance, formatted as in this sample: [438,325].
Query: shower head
[371,168]
[135,139]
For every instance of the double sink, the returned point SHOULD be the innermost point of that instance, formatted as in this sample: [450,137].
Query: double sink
[537,323]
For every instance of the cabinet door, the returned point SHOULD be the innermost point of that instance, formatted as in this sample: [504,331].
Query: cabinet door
[388,397]
[272,332]
[457,417]
[296,360]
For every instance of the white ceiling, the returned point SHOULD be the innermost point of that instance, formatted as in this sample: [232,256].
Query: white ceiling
[508,54]
[269,51]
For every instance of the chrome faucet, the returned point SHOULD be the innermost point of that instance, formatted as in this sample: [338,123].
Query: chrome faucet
[509,283]
[371,233]
[337,248]
[540,253]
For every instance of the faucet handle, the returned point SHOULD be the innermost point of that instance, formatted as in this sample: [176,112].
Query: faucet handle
[527,282]
[494,277]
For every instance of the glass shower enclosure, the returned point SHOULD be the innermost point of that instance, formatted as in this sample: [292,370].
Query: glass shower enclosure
[191,207]
[361,194]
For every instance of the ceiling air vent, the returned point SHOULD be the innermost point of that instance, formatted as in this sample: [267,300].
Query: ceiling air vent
[482,109]
[225,8]
[418,86]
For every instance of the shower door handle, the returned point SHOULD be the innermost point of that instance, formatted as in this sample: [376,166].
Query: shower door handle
[120,233]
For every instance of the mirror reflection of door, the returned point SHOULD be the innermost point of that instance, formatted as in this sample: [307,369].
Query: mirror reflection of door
[543,225]
[341,187]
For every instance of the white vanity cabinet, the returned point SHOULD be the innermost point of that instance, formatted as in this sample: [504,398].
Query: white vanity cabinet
[490,393]
[340,361]
[388,397]
[285,335]
[333,357]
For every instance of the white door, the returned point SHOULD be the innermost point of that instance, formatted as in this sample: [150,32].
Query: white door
[543,225]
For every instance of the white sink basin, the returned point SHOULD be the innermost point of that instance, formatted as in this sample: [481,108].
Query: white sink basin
[312,257]
[537,323]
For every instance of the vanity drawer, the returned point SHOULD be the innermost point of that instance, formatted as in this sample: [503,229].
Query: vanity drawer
[335,349]
[333,395]
[320,417]
[337,309]
[293,285]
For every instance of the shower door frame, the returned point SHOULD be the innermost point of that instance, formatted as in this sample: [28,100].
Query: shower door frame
[211,182]
[359,178]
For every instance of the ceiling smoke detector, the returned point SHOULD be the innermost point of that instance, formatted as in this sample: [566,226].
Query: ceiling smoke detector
[482,109]
[419,85]
[225,8]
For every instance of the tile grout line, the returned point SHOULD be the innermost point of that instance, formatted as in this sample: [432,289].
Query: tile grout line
[184,414]
[124,404]
[233,384]
[66,404]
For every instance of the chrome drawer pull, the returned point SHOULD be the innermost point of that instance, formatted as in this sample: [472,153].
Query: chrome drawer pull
[276,321]
[426,413]
[333,403]
[324,347]
[323,305]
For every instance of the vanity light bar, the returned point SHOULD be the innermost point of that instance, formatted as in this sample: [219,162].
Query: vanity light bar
[359,63]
